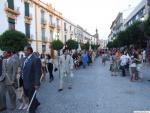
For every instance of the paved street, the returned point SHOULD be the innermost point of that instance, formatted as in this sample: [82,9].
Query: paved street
[95,91]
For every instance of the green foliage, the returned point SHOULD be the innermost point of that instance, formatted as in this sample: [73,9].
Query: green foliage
[147,27]
[72,44]
[86,46]
[12,40]
[57,45]
[93,46]
[110,45]
[133,35]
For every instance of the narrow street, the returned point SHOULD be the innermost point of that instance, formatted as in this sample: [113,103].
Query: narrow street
[95,91]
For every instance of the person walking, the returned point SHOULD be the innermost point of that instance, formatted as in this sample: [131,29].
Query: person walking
[9,71]
[2,95]
[133,69]
[123,63]
[144,56]
[50,65]
[43,62]
[66,67]
[84,59]
[31,74]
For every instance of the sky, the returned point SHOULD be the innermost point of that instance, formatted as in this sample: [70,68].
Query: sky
[92,14]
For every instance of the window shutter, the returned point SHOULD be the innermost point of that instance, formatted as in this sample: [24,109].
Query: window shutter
[26,9]
[10,4]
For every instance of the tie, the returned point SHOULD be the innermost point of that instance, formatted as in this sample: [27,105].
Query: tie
[25,62]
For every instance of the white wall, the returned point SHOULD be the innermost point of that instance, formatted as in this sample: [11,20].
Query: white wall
[3,17]
[32,26]
[20,25]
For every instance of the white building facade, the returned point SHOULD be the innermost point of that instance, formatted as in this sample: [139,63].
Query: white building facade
[40,22]
[116,27]
[140,13]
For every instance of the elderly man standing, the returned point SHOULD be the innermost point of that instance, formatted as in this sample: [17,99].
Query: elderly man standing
[8,78]
[2,95]
[66,66]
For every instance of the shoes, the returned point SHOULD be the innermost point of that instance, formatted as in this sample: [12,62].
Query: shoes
[32,111]
[37,105]
[60,90]
[2,109]
[25,106]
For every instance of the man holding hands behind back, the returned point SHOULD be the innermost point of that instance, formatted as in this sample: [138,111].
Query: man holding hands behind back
[66,67]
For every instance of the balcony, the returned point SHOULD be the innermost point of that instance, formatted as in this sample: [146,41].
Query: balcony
[65,30]
[71,32]
[43,21]
[28,19]
[44,39]
[51,25]
[58,27]
[12,13]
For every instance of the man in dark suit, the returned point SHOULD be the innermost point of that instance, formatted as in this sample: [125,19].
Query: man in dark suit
[0,65]
[31,74]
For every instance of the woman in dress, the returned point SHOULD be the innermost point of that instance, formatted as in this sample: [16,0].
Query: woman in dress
[43,62]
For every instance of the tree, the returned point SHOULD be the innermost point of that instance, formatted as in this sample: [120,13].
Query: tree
[109,45]
[147,28]
[12,40]
[86,46]
[72,44]
[133,35]
[57,45]
[93,46]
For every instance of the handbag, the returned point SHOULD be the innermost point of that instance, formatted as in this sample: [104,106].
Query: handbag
[56,69]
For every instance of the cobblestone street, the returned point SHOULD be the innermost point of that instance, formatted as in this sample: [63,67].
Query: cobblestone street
[95,91]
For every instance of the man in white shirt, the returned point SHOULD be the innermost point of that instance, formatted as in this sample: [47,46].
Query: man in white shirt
[144,56]
[123,63]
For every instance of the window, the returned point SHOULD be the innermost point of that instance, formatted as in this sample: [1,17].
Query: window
[42,16]
[70,36]
[11,23]
[43,48]
[26,5]
[70,28]
[65,27]
[50,18]
[51,34]
[57,35]
[27,28]
[57,22]
[43,34]
[65,38]
[10,4]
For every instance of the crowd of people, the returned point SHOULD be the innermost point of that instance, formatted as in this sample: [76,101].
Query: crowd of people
[127,61]
[22,74]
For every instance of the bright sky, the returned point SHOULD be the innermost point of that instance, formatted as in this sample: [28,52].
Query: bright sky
[92,14]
